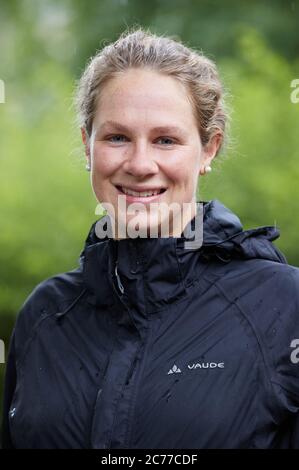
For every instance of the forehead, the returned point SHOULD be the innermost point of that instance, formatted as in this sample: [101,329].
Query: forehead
[145,95]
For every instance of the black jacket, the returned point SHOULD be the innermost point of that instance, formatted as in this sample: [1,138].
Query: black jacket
[177,348]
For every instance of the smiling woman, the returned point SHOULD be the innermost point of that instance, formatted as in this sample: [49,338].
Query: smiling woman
[148,163]
[130,349]
[150,126]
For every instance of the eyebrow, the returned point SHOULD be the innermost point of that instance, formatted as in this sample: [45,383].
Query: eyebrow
[122,128]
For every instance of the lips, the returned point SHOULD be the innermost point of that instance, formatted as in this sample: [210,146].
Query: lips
[140,194]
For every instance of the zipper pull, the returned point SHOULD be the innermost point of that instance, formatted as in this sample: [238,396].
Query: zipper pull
[120,286]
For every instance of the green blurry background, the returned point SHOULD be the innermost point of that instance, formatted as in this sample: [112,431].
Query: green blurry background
[47,205]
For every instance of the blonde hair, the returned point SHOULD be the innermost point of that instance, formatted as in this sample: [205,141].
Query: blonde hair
[139,48]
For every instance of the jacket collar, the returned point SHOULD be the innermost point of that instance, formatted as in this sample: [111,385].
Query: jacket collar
[151,272]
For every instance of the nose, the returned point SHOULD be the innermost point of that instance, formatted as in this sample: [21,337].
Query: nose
[140,162]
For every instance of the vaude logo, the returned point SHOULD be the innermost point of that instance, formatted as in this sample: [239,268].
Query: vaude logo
[197,365]
[174,370]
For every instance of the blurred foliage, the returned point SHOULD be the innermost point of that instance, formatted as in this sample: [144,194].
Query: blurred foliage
[47,205]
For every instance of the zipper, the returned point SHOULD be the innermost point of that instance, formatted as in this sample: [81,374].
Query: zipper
[119,284]
[142,356]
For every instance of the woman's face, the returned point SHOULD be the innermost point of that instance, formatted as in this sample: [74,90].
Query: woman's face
[145,138]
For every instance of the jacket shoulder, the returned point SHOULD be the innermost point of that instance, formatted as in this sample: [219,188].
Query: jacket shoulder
[51,292]
[48,297]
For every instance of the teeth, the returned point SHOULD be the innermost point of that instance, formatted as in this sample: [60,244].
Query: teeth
[140,194]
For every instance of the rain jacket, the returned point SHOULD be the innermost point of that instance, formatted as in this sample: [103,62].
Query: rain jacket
[147,344]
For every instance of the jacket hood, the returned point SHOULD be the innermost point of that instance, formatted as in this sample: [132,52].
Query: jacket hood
[223,236]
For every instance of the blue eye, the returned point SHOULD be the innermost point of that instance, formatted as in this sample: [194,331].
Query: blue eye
[114,136]
[170,141]
[118,138]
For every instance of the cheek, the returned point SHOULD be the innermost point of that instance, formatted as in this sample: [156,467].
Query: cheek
[104,163]
[183,171]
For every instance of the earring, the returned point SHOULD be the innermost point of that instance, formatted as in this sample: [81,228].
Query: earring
[205,169]
[87,167]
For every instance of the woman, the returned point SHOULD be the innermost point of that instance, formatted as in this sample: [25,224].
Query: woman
[150,342]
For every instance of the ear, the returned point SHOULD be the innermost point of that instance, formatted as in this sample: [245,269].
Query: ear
[85,140]
[209,150]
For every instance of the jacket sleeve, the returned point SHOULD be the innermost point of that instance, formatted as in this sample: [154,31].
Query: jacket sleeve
[9,387]
[285,350]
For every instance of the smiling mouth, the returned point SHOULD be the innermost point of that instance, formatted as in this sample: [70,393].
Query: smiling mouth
[148,193]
